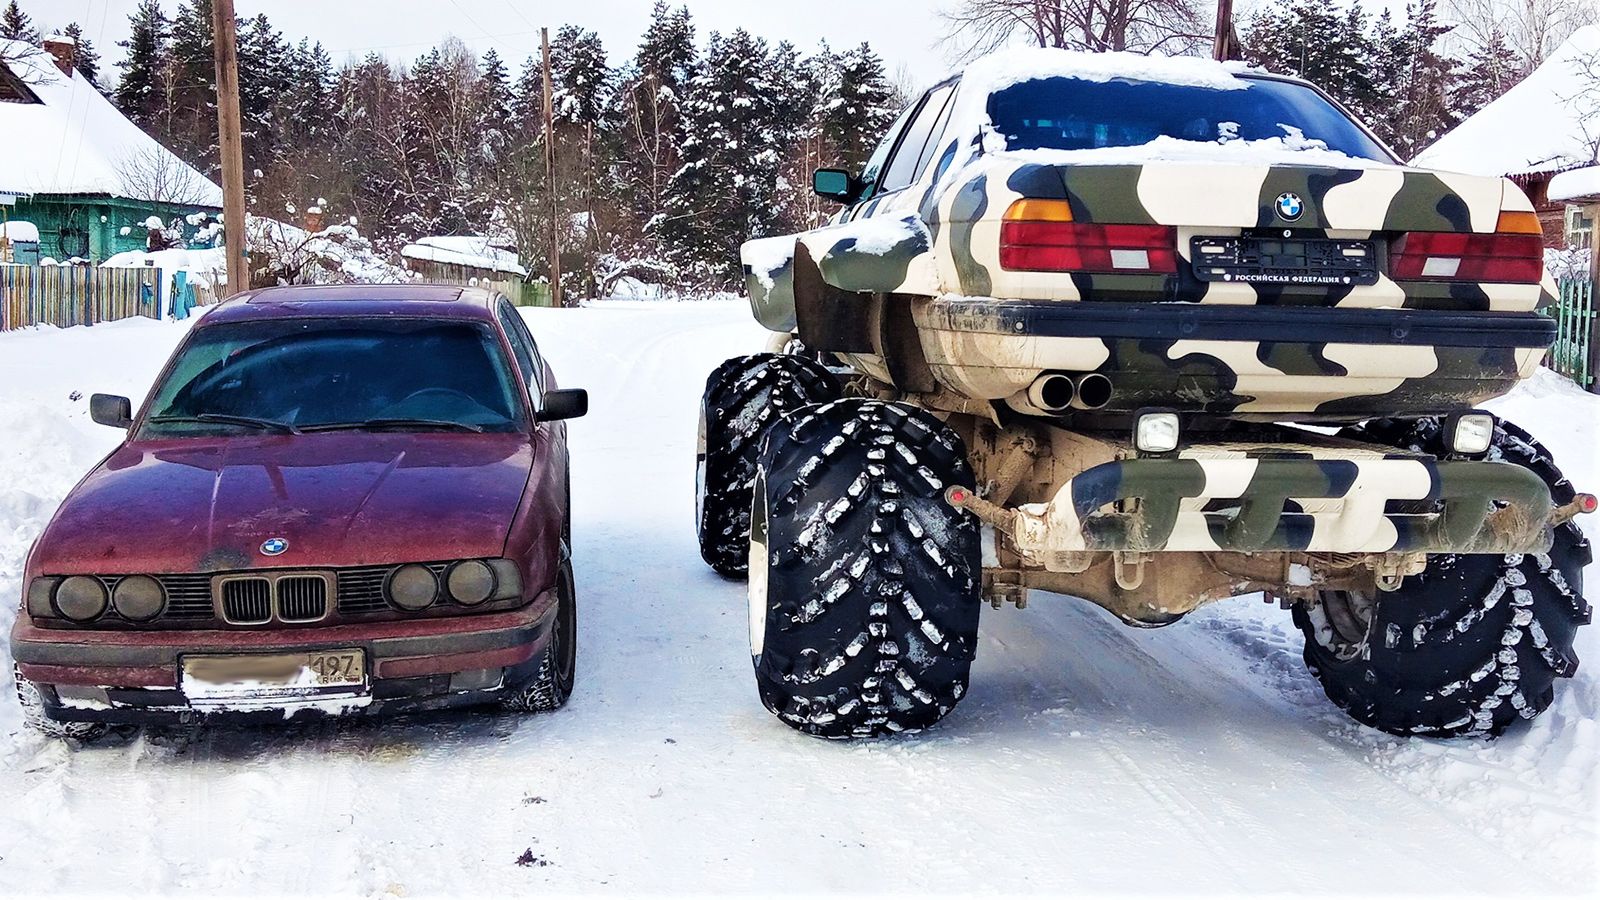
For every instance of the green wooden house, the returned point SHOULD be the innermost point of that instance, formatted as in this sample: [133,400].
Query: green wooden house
[76,168]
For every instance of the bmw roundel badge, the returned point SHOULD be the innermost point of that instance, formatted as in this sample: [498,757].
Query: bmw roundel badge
[274,546]
[1290,206]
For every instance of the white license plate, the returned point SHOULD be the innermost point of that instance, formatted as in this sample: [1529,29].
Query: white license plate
[257,678]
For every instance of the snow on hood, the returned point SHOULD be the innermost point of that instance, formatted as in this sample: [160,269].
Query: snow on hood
[75,142]
[1540,125]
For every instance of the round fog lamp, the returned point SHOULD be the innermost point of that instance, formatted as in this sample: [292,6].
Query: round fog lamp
[81,598]
[470,582]
[413,587]
[1156,432]
[1473,434]
[138,597]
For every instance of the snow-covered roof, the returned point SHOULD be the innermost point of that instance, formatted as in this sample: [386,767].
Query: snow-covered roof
[20,231]
[1537,126]
[1576,184]
[74,141]
[464,250]
[1015,65]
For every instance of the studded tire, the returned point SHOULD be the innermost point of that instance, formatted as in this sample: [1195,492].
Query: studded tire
[744,397]
[1473,644]
[863,580]
[34,717]
[558,664]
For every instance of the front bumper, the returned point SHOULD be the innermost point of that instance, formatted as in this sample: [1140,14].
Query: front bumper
[1300,503]
[134,676]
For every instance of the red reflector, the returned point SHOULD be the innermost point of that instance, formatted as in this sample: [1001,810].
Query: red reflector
[1087,247]
[1445,256]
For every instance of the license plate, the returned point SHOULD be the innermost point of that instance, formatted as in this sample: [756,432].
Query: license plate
[262,677]
[1254,259]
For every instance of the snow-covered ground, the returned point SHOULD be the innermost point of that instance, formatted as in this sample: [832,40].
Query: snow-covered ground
[1087,756]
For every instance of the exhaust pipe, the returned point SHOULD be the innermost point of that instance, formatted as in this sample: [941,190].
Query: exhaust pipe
[1052,392]
[1092,391]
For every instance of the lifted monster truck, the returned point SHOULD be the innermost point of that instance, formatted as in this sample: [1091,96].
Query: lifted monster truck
[1151,332]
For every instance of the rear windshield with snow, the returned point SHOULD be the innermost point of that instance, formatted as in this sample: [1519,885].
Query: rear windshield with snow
[1074,114]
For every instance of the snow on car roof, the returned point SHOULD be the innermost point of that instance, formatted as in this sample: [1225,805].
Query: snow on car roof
[1543,124]
[73,141]
[1005,68]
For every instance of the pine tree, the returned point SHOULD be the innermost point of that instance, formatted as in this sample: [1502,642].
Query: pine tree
[264,78]
[139,92]
[1488,72]
[192,126]
[649,103]
[858,109]
[17,26]
[85,59]
[732,150]
[1311,39]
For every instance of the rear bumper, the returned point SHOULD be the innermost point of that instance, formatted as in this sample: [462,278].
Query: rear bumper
[1299,362]
[1242,504]
[134,676]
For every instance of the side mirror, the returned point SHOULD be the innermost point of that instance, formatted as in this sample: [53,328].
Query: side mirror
[567,404]
[108,409]
[835,184]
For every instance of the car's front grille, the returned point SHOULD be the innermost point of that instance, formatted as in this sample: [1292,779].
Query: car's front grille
[247,601]
[188,596]
[302,598]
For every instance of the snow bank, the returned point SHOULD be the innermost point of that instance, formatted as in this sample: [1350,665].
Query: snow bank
[75,142]
[1542,124]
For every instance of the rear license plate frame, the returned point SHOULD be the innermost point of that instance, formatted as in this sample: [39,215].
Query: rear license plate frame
[1290,259]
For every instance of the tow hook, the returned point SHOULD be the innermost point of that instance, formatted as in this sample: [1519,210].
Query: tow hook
[1580,504]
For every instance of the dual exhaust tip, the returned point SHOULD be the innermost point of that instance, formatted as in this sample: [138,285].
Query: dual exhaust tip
[1057,392]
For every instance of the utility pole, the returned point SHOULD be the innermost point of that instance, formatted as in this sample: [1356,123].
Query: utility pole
[1225,46]
[556,299]
[227,57]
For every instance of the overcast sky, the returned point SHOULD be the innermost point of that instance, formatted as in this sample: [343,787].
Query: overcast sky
[904,32]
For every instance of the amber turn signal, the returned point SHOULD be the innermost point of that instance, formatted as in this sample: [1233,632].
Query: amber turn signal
[1518,222]
[1029,210]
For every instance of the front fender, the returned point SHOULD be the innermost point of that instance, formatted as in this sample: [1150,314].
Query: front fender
[880,255]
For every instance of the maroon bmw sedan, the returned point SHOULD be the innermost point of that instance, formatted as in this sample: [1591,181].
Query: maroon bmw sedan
[334,500]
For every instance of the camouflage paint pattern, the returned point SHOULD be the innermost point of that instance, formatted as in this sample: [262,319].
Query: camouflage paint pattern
[1297,502]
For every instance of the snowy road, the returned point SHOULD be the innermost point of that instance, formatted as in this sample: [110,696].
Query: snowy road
[1087,755]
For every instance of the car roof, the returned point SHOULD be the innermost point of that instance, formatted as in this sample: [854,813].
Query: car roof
[427,301]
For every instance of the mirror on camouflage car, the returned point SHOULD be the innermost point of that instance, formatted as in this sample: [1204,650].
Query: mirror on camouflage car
[834,184]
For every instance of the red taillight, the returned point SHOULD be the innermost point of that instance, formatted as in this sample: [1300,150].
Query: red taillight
[1446,256]
[1036,246]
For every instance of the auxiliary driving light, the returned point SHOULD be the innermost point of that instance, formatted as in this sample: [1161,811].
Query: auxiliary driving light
[1471,433]
[1155,431]
[413,587]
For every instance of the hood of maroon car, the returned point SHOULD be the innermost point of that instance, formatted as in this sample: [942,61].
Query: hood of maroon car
[336,499]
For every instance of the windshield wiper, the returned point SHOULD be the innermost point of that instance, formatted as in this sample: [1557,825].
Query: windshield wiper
[395,423]
[227,419]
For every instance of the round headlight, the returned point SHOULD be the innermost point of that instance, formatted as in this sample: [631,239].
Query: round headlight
[413,587]
[470,582]
[81,598]
[138,597]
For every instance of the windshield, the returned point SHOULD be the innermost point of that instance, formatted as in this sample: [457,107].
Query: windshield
[1073,114]
[299,374]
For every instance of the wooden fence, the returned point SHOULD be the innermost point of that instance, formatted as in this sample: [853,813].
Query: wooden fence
[76,295]
[1574,352]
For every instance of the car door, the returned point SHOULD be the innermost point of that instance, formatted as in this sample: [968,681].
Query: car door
[906,152]
[548,488]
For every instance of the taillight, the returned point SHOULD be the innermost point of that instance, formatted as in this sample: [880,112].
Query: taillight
[1513,254]
[1040,236]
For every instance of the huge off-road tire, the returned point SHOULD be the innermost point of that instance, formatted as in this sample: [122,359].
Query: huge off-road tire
[33,714]
[744,397]
[863,580]
[1471,645]
[558,665]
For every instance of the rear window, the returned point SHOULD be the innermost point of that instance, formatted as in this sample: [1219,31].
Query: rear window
[331,373]
[1073,114]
